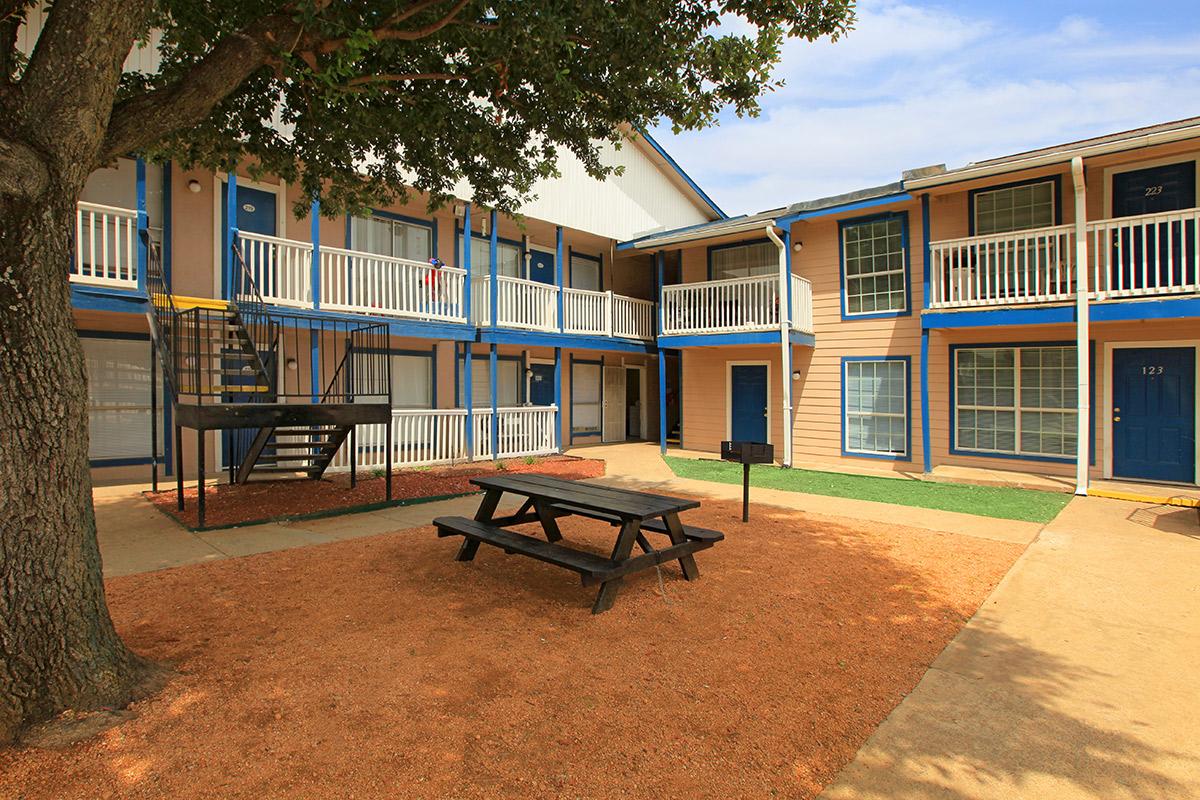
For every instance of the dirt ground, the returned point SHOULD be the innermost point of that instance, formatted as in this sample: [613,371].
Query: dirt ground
[381,667]
[227,504]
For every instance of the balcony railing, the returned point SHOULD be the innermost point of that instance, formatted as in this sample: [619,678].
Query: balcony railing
[1150,254]
[106,250]
[397,287]
[281,268]
[733,305]
[632,318]
[523,431]
[607,314]
[420,437]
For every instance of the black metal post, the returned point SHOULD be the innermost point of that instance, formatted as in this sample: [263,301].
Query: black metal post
[153,418]
[745,492]
[179,466]
[353,457]
[200,478]
[388,465]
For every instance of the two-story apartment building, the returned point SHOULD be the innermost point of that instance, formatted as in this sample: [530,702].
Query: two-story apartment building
[976,317]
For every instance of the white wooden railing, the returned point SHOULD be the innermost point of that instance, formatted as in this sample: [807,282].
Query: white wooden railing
[523,431]
[1151,254]
[802,307]
[282,268]
[586,311]
[398,287]
[733,304]
[531,305]
[420,437]
[1031,266]
[632,318]
[106,249]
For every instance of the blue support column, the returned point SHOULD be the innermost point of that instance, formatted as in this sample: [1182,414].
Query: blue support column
[558,415]
[229,236]
[314,343]
[493,271]
[558,271]
[467,387]
[926,455]
[495,426]
[143,224]
[314,215]
[469,288]
[660,259]
[662,401]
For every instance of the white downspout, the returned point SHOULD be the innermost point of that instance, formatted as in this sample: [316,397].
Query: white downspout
[785,341]
[1082,356]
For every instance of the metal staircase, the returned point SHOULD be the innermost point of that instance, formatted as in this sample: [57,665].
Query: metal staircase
[285,390]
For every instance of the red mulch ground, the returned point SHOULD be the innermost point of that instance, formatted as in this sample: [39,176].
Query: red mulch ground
[262,500]
[382,668]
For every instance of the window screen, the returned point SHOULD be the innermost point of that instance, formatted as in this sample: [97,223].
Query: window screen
[744,261]
[119,398]
[873,266]
[876,407]
[585,273]
[1014,208]
[508,258]
[585,398]
[508,392]
[389,237]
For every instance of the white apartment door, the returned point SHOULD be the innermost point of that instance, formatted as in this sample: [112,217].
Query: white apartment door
[614,405]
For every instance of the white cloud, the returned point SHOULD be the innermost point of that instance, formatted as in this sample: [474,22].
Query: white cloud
[914,86]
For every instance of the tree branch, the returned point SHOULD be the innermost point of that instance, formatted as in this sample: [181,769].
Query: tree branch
[365,80]
[387,31]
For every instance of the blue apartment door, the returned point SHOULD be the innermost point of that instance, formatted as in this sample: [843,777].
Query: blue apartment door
[541,267]
[541,385]
[1160,254]
[748,402]
[1154,413]
[255,214]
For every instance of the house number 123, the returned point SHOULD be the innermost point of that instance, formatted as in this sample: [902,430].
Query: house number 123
[1152,370]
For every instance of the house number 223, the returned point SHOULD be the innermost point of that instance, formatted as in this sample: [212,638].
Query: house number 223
[1152,370]
[1153,191]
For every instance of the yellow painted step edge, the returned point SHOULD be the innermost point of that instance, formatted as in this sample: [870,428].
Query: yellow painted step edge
[1183,502]
[183,301]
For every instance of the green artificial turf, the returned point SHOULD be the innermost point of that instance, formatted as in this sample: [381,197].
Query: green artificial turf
[1028,505]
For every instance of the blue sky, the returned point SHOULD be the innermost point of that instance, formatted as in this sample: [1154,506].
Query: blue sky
[926,83]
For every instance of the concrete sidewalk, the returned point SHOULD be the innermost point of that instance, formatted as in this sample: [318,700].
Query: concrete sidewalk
[1076,679]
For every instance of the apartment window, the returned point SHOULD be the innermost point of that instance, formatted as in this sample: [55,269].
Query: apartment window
[585,272]
[875,413]
[875,265]
[508,257]
[118,398]
[585,398]
[412,381]
[744,261]
[1014,208]
[508,389]
[1016,400]
[385,236]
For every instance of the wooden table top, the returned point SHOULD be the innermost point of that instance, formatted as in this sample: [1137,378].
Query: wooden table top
[624,503]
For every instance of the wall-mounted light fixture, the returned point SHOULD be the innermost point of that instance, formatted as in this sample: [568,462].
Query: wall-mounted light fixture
[292,365]
[796,375]
[460,210]
[798,246]
[194,186]
[528,372]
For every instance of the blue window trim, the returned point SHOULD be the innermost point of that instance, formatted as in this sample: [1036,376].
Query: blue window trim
[573,254]
[953,448]
[729,246]
[431,224]
[575,432]
[459,366]
[908,454]
[458,236]
[1055,179]
[904,244]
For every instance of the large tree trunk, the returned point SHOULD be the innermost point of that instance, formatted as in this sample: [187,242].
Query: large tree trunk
[58,648]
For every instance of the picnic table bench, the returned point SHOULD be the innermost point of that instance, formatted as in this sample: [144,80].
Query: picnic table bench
[549,499]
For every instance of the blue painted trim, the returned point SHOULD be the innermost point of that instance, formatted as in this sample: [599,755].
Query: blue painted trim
[1055,179]
[128,336]
[1118,311]
[99,298]
[558,274]
[907,411]
[558,415]
[230,235]
[928,251]
[568,340]
[143,222]
[100,463]
[848,223]
[860,205]
[926,455]
[573,254]
[730,246]
[719,339]
[493,273]
[167,249]
[953,373]
[314,215]
[420,329]
[466,390]
[1042,315]
[686,178]
[662,402]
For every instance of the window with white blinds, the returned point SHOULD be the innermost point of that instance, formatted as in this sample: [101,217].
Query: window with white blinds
[744,261]
[384,236]
[586,394]
[508,392]
[412,382]
[585,273]
[119,398]
[508,258]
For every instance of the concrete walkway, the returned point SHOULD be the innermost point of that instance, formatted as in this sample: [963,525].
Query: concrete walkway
[1076,679]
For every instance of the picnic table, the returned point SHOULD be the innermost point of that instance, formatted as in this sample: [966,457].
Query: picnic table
[634,514]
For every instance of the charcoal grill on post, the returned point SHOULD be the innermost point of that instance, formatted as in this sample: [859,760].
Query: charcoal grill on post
[747,453]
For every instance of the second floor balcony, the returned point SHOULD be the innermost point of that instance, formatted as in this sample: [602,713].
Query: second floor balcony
[1135,256]
[736,305]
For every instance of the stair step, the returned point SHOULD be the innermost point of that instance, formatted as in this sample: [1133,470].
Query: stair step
[283,469]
